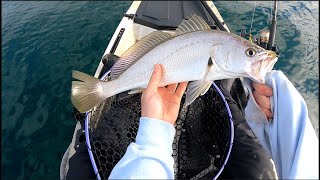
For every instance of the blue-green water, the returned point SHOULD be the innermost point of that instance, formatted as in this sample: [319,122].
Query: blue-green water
[43,41]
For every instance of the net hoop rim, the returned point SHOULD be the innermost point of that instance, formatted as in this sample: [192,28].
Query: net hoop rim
[231,128]
[86,129]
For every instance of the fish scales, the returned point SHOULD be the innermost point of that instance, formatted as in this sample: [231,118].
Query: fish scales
[184,58]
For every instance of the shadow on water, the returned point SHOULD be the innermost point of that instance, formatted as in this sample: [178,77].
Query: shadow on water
[42,42]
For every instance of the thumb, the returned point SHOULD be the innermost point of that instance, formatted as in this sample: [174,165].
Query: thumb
[155,78]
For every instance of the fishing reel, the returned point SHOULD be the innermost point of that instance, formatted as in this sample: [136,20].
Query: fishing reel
[262,40]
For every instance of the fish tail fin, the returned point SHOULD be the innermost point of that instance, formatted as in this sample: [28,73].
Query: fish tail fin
[88,92]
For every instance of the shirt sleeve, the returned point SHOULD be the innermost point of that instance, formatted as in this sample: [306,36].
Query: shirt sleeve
[150,157]
[289,138]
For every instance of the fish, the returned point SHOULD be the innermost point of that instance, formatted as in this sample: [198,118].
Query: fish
[194,53]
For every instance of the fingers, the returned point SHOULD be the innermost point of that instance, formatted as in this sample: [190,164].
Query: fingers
[264,103]
[262,100]
[262,89]
[181,89]
[172,87]
[262,95]
[155,78]
[267,112]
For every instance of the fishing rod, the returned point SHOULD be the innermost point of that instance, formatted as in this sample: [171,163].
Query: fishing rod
[273,27]
[267,37]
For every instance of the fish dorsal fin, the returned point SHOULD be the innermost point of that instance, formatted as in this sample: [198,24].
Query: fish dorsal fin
[139,49]
[194,23]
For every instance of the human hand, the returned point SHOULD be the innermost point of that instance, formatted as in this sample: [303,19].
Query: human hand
[162,103]
[262,95]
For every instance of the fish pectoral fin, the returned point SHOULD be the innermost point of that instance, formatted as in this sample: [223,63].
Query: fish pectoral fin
[195,89]
[200,87]
[134,91]
[208,85]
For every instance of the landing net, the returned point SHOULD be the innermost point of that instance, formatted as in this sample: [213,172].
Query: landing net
[202,143]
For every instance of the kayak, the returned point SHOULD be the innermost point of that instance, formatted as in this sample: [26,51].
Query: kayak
[204,130]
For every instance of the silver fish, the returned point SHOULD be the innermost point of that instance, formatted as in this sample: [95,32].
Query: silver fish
[194,53]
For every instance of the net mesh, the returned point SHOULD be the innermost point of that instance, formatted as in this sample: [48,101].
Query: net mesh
[200,145]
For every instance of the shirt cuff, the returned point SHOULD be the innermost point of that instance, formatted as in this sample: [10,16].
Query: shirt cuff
[155,134]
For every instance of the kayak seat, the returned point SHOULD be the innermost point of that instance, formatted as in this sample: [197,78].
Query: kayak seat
[168,15]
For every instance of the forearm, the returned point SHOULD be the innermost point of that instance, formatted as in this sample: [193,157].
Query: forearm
[150,156]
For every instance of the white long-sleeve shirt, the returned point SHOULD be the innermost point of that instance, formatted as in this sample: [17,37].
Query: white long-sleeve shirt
[289,138]
[150,156]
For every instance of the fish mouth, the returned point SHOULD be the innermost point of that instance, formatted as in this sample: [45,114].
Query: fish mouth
[264,64]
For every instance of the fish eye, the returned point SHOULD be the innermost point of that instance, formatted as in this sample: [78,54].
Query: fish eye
[250,52]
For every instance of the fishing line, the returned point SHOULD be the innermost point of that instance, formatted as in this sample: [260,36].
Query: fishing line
[254,9]
[270,11]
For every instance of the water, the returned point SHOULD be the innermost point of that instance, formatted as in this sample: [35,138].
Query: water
[43,41]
